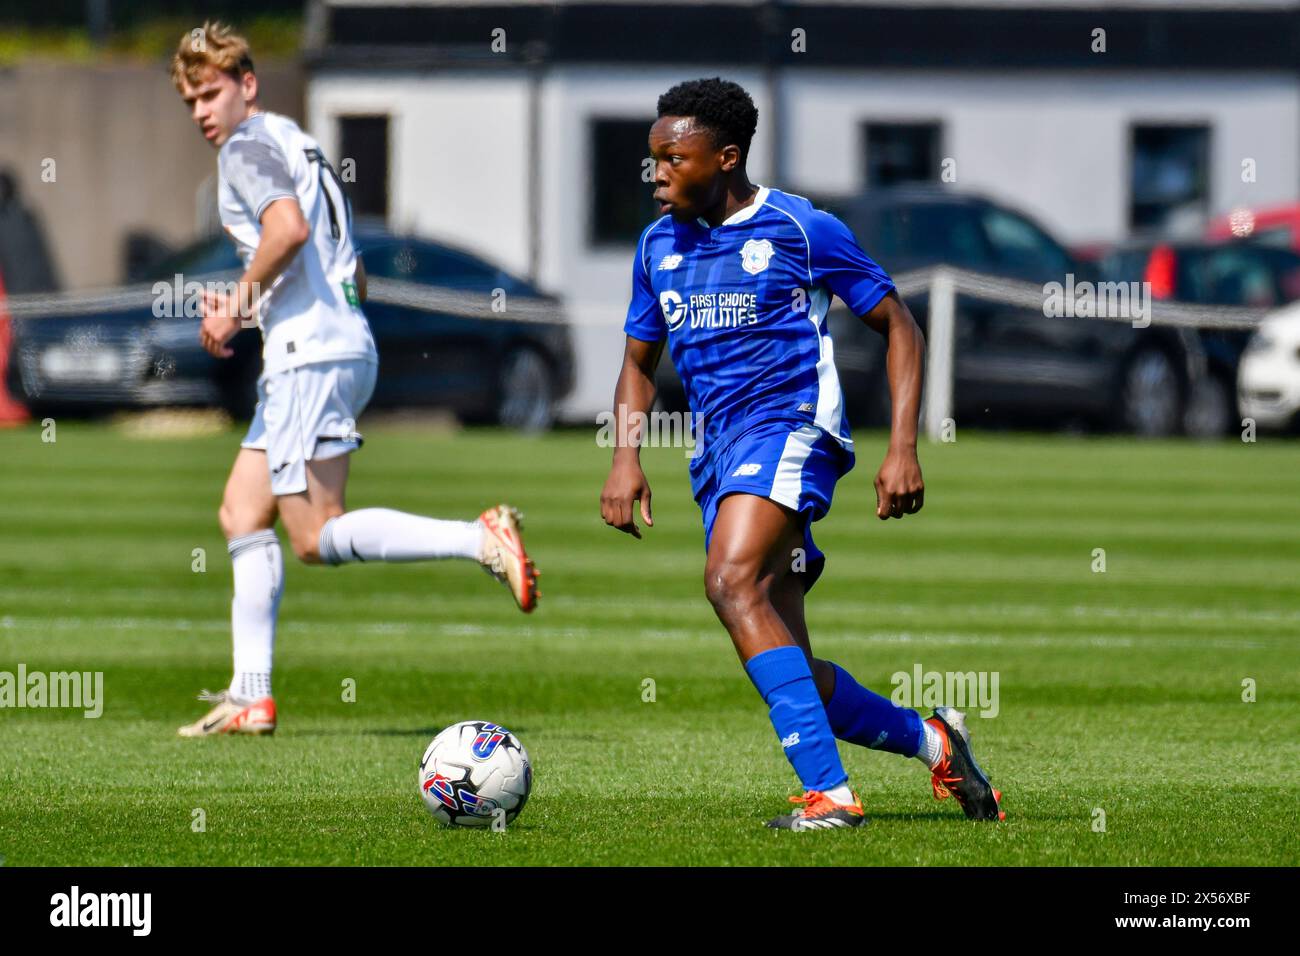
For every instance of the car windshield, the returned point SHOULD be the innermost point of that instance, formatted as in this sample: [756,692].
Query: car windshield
[1125,265]
[930,233]
[211,255]
[1023,248]
[417,261]
[1238,274]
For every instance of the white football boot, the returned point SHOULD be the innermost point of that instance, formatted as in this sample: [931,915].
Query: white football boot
[229,716]
[503,555]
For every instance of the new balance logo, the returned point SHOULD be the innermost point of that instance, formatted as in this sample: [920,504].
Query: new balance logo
[788,742]
[807,407]
[746,471]
[668,263]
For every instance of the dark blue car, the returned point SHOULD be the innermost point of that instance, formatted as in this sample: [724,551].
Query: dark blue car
[453,332]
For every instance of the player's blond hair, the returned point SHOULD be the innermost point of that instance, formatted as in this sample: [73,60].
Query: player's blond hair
[213,44]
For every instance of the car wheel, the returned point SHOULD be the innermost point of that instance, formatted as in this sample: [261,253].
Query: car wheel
[527,394]
[1210,408]
[1150,398]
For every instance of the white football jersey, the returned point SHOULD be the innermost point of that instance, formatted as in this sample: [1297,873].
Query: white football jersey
[311,312]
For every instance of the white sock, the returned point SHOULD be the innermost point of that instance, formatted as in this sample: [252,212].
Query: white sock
[382,534]
[259,582]
[248,686]
[931,746]
[841,794]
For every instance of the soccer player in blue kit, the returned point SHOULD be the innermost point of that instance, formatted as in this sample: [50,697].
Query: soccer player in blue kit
[738,279]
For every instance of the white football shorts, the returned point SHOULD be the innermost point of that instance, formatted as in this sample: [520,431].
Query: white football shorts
[308,413]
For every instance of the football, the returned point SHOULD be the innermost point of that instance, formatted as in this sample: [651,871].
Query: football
[475,773]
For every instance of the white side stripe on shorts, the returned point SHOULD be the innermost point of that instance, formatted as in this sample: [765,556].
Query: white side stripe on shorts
[787,486]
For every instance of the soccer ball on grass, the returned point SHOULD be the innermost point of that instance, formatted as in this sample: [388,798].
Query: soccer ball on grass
[475,773]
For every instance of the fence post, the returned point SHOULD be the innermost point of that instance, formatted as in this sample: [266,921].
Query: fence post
[939,353]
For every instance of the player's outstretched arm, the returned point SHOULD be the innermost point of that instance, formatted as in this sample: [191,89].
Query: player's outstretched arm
[634,393]
[899,487]
[284,232]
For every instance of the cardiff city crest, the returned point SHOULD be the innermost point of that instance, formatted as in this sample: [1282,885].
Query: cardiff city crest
[755,255]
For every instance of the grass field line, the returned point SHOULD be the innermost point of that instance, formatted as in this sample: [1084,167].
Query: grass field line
[821,607]
[834,606]
[817,606]
[952,637]
[1268,522]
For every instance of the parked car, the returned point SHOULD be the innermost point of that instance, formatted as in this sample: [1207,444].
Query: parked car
[1272,225]
[1011,366]
[1203,273]
[913,226]
[502,370]
[1209,273]
[1268,379]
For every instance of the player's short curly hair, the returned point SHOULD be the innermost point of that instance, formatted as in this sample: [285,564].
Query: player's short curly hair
[213,44]
[720,105]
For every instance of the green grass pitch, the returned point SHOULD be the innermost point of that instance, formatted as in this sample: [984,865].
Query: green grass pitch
[1119,692]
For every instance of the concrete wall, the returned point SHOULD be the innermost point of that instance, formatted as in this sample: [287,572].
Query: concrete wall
[1053,144]
[457,164]
[126,156]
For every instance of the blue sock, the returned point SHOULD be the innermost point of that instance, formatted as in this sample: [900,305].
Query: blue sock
[786,684]
[862,717]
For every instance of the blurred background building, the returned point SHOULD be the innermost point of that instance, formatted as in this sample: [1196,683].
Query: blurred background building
[516,129]
[531,152]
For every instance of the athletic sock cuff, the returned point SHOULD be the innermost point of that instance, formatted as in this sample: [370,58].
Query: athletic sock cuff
[325,544]
[247,542]
[771,670]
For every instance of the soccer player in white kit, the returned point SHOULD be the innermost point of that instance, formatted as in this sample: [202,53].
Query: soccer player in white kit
[303,283]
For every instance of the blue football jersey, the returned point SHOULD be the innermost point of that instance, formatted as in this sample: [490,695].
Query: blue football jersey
[744,306]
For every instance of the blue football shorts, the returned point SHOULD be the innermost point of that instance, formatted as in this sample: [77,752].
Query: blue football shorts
[795,466]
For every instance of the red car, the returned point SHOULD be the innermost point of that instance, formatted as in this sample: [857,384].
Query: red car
[1274,226]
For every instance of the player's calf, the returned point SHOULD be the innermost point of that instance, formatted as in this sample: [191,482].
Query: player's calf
[494,541]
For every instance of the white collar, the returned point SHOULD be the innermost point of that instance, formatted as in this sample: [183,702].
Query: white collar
[742,214]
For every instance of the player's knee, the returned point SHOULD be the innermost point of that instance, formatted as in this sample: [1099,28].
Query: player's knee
[732,588]
[226,518]
[237,521]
